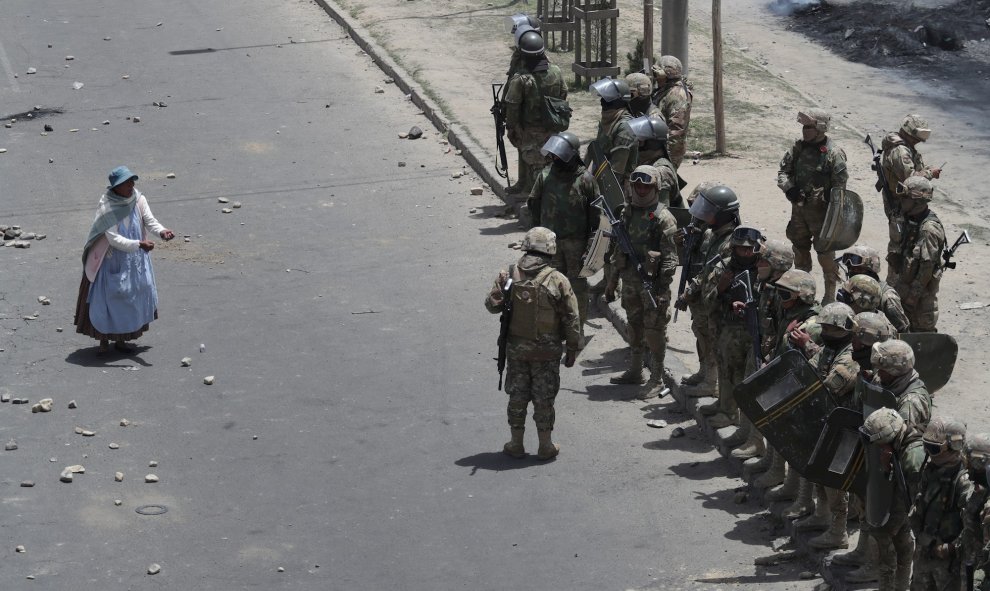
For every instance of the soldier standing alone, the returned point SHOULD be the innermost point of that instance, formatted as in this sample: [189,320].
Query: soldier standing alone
[544,314]
[673,99]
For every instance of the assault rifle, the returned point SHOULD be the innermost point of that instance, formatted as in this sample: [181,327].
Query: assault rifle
[691,235]
[889,203]
[503,333]
[498,112]
[744,283]
[621,236]
[948,253]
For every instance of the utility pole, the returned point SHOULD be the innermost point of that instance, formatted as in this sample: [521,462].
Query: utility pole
[674,30]
[647,36]
[720,147]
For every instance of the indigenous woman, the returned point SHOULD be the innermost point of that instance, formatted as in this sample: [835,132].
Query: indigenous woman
[117,296]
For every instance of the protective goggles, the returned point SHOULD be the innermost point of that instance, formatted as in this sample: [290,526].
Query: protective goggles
[785,294]
[851,260]
[643,178]
[743,234]
[933,448]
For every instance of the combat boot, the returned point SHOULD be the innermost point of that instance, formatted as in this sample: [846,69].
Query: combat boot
[654,387]
[820,519]
[695,378]
[721,420]
[515,447]
[753,446]
[712,408]
[867,571]
[764,463]
[829,296]
[548,449]
[633,375]
[834,537]
[858,555]
[739,437]
[803,503]
[790,488]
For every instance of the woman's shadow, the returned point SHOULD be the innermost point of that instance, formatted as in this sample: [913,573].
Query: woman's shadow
[92,357]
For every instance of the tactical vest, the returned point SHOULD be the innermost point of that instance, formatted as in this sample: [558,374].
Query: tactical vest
[533,313]
[563,208]
[813,168]
[643,227]
[909,242]
[941,520]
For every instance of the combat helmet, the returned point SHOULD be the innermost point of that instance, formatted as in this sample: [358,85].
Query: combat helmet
[861,255]
[977,450]
[639,83]
[838,315]
[916,127]
[944,433]
[892,356]
[882,426]
[541,240]
[797,283]
[700,188]
[717,206]
[649,128]
[863,293]
[516,21]
[872,327]
[817,117]
[563,145]
[779,254]
[645,174]
[530,42]
[916,187]
[747,236]
[668,68]
[611,90]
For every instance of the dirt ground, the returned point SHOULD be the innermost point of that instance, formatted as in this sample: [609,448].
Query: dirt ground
[456,48]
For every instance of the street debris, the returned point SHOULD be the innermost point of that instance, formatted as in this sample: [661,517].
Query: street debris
[208,380]
[118,476]
[154,569]
[972,305]
[77,85]
[114,446]
[44,405]
[415,133]
[27,484]
[477,190]
[72,404]
[124,422]
[151,478]
[677,432]
[657,424]
[186,361]
[10,446]
[44,301]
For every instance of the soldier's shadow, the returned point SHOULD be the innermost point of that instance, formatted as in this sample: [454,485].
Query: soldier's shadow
[498,462]
[689,442]
[715,468]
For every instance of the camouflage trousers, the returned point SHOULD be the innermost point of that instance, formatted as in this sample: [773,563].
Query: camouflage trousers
[895,547]
[528,141]
[921,312]
[676,150]
[934,574]
[568,261]
[807,219]
[646,324]
[733,348]
[703,327]
[536,382]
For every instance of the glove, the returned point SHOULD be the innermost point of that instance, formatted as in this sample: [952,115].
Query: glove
[793,194]
[569,358]
[681,304]
[610,291]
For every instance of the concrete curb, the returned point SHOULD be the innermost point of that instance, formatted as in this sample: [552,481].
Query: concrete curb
[457,134]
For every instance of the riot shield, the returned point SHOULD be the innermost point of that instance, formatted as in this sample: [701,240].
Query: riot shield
[594,259]
[934,357]
[838,458]
[876,397]
[787,402]
[682,215]
[843,221]
[608,183]
[881,485]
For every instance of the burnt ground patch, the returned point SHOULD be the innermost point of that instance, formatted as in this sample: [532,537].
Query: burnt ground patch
[943,43]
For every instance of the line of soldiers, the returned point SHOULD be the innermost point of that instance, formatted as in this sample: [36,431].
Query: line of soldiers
[753,301]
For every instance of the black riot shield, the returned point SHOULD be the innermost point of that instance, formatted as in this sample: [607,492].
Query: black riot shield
[608,184]
[875,397]
[934,357]
[881,486]
[788,404]
[682,215]
[838,458]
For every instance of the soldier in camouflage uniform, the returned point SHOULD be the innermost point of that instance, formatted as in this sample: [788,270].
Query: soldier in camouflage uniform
[865,294]
[516,25]
[937,516]
[524,105]
[808,173]
[797,328]
[887,429]
[835,366]
[734,340]
[616,139]
[899,160]
[970,545]
[544,314]
[561,201]
[640,89]
[863,260]
[651,229]
[673,99]
[715,211]
[918,262]
[652,135]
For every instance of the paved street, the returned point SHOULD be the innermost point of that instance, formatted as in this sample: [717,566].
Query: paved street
[352,435]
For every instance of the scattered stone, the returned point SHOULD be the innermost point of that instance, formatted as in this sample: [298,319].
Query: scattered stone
[49,128]
[106,38]
[76,469]
[477,190]
[170,175]
[118,476]
[11,445]
[114,446]
[187,239]
[136,119]
[208,380]
[69,58]
[31,236]
[20,549]
[403,135]
[456,174]
[972,305]
[19,401]
[237,205]
[87,433]
[29,577]
[66,476]
[415,133]
[223,200]
[153,464]
[151,479]
[124,422]
[280,569]
[32,70]
[154,569]
[46,404]
[254,438]
[186,361]
[44,301]
[72,404]
[677,432]
[226,210]
[656,424]
[202,347]
[27,484]
[118,502]
[24,244]
[78,430]
[402,164]
[125,77]
[74,130]
[4,397]
[58,329]
[77,85]
[379,90]
[107,122]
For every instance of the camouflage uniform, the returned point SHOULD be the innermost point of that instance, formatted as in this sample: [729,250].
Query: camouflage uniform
[524,115]
[670,189]
[534,345]
[651,231]
[673,100]
[894,541]
[918,265]
[937,519]
[561,200]
[898,161]
[712,247]
[640,88]
[815,169]
[618,142]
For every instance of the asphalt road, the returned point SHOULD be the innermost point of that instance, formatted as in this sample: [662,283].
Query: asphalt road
[352,435]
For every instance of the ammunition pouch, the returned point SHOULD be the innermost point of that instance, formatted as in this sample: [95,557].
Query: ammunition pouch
[533,314]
